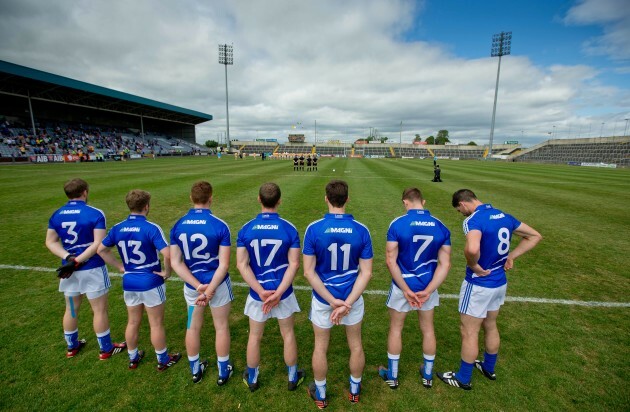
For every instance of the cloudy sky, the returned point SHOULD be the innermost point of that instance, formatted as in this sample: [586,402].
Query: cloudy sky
[346,65]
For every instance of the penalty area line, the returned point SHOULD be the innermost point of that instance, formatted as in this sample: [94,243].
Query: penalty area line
[386,292]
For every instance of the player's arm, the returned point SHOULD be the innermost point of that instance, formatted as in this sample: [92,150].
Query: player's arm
[472,252]
[54,245]
[529,239]
[179,266]
[391,257]
[220,272]
[166,272]
[441,271]
[242,264]
[363,278]
[108,256]
[99,235]
[287,279]
[316,283]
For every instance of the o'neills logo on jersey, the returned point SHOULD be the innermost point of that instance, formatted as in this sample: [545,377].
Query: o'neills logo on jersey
[261,227]
[421,223]
[194,222]
[70,212]
[338,230]
[130,229]
[499,216]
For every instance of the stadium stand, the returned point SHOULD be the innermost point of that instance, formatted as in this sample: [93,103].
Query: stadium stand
[607,150]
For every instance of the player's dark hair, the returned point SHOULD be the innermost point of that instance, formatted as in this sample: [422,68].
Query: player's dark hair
[463,195]
[413,194]
[201,192]
[74,188]
[137,199]
[269,194]
[337,193]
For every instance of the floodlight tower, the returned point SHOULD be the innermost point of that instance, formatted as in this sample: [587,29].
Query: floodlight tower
[226,57]
[501,46]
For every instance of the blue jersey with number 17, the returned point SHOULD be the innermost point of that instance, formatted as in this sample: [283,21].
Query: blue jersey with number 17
[139,242]
[496,229]
[268,239]
[75,223]
[199,234]
[338,242]
[419,236]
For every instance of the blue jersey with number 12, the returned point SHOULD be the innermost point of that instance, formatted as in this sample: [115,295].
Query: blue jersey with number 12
[199,234]
[139,242]
[496,230]
[338,242]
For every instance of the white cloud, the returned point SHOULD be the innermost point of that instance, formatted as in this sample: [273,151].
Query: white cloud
[340,63]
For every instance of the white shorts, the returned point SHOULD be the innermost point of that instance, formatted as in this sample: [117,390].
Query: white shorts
[90,281]
[222,296]
[397,301]
[149,298]
[286,308]
[320,314]
[476,300]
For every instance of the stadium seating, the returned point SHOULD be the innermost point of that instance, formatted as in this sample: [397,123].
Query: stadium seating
[614,150]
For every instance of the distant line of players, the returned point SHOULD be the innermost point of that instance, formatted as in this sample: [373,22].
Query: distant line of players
[337,261]
[311,162]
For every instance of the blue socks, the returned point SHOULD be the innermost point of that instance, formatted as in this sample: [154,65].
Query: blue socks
[222,365]
[489,361]
[252,375]
[292,372]
[72,338]
[105,341]
[194,363]
[392,366]
[464,374]
[162,356]
[355,385]
[320,393]
[427,369]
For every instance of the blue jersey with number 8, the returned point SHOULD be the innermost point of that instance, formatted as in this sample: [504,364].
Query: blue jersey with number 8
[496,229]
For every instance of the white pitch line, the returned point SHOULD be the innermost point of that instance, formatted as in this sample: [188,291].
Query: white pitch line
[386,292]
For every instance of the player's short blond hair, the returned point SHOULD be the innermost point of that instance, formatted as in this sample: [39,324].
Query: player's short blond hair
[137,200]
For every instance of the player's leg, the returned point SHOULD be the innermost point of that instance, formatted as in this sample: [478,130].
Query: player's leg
[425,318]
[99,302]
[320,364]
[492,341]
[469,327]
[158,336]
[287,329]
[394,347]
[134,319]
[357,360]
[71,324]
[221,324]
[193,341]
[256,330]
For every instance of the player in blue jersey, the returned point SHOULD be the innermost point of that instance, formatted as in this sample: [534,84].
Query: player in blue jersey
[200,254]
[338,265]
[74,233]
[418,256]
[488,234]
[268,256]
[139,241]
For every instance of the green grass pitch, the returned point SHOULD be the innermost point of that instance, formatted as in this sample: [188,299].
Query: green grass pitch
[553,356]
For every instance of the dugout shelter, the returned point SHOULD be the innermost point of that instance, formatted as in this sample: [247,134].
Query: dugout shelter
[37,97]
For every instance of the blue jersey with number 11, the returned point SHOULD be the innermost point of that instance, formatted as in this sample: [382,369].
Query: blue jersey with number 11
[338,242]
[199,235]
[496,230]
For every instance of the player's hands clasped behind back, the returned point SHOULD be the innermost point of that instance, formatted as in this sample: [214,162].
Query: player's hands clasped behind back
[66,270]
[340,309]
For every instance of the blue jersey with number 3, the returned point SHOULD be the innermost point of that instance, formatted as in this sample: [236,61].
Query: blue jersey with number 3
[496,229]
[139,242]
[338,242]
[268,239]
[419,236]
[75,223]
[199,234]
